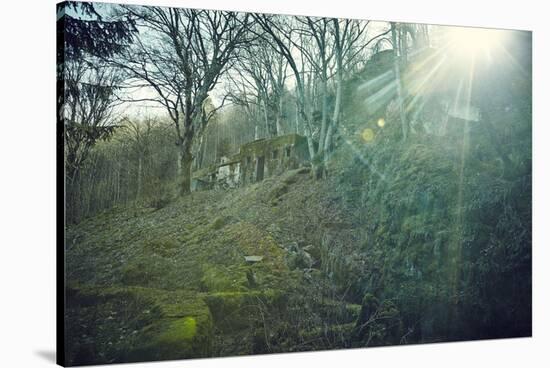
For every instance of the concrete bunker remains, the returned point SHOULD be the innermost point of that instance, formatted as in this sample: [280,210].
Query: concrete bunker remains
[254,162]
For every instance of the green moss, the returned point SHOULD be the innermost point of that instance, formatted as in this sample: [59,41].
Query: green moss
[251,240]
[139,272]
[178,330]
[174,338]
[104,323]
[221,278]
[183,330]
[165,247]
[369,300]
[218,223]
[233,311]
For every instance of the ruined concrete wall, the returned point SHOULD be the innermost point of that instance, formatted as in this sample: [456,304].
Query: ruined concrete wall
[228,175]
[276,155]
[224,175]
[256,160]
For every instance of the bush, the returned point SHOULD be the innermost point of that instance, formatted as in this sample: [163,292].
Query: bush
[158,194]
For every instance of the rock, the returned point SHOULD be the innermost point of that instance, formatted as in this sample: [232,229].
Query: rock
[174,338]
[183,331]
[253,259]
[298,257]
[222,278]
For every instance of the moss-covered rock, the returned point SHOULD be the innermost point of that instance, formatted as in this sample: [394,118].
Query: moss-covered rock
[175,338]
[134,323]
[233,311]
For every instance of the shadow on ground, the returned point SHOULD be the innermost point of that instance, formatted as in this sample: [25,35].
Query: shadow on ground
[48,355]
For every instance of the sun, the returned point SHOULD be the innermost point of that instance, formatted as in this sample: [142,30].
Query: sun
[470,42]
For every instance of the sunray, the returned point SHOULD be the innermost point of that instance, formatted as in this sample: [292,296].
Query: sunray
[380,79]
[440,52]
[357,153]
[513,61]
[383,95]
[456,251]
[456,100]
[418,87]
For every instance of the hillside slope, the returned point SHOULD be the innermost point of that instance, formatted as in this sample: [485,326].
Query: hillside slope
[402,243]
[179,275]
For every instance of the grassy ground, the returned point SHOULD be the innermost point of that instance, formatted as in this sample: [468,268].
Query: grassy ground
[171,283]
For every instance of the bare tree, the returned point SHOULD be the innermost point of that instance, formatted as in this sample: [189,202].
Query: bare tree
[275,29]
[139,134]
[249,88]
[351,40]
[318,51]
[181,55]
[320,57]
[257,83]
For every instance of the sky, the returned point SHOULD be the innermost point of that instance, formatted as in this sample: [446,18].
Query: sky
[466,40]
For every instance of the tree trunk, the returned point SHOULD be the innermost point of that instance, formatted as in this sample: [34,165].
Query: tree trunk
[307,127]
[178,164]
[186,170]
[71,196]
[397,72]
[336,115]
[324,118]
[278,124]
[297,121]
[139,175]
[216,142]
[269,130]
[119,168]
[197,164]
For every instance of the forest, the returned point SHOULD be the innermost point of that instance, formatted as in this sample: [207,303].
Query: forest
[244,183]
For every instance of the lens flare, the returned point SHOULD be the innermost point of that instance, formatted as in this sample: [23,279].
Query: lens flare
[367,135]
[381,122]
